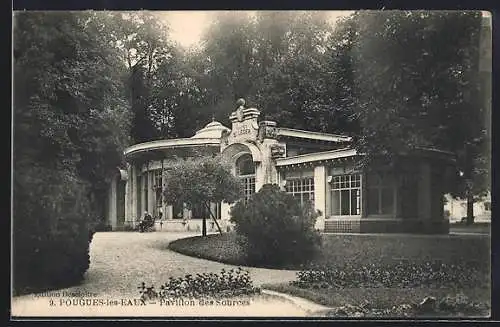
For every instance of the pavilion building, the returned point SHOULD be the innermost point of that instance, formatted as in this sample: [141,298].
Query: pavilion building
[312,166]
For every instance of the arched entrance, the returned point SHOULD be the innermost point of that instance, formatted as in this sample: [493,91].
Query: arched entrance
[245,170]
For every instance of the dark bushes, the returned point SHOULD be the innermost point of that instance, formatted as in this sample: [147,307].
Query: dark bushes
[274,229]
[52,230]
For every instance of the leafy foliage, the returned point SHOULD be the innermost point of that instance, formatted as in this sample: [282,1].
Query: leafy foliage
[400,275]
[417,83]
[201,180]
[71,124]
[277,61]
[233,282]
[457,305]
[274,228]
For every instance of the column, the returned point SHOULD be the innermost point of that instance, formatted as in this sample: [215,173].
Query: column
[320,195]
[364,194]
[281,179]
[133,194]
[112,203]
[424,191]
[166,215]
[169,212]
[143,189]
[152,193]
[127,196]
[260,175]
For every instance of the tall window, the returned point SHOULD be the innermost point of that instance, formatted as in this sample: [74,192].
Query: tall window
[345,195]
[158,176]
[158,180]
[380,188]
[245,170]
[302,189]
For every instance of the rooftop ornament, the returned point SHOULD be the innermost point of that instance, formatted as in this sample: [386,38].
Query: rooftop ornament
[240,103]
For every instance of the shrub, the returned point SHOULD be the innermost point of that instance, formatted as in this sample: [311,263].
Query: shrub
[232,282]
[51,230]
[274,229]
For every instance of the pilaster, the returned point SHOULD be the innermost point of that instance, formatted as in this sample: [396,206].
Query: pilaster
[320,195]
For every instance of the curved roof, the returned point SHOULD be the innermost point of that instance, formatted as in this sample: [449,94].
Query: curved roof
[209,135]
[170,144]
[211,131]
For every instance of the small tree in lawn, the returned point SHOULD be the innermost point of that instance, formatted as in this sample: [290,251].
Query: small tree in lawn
[201,180]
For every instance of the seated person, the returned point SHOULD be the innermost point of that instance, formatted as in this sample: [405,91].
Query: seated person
[147,221]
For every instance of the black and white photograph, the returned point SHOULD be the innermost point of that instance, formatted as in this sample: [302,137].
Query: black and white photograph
[327,165]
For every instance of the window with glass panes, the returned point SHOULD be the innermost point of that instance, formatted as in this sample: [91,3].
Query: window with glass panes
[245,169]
[302,189]
[380,192]
[345,195]
[158,176]
[158,180]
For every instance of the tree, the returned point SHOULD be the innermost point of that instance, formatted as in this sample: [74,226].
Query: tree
[279,62]
[153,63]
[201,180]
[71,125]
[417,84]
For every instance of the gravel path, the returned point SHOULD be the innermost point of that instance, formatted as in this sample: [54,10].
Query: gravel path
[120,261]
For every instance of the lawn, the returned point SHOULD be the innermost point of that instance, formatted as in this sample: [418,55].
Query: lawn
[382,270]
[341,249]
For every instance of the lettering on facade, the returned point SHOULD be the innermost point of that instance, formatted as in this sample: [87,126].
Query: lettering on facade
[243,131]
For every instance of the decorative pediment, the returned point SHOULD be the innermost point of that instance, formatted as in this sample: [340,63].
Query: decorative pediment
[244,125]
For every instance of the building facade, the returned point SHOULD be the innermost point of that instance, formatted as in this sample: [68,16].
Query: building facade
[316,167]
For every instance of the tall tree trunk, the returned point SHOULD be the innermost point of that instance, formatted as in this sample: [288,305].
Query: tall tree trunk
[470,208]
[468,185]
[470,202]
[213,217]
[204,226]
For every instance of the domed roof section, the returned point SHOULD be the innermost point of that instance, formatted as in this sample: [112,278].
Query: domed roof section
[212,130]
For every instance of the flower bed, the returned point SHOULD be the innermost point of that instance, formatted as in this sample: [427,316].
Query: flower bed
[233,282]
[404,274]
